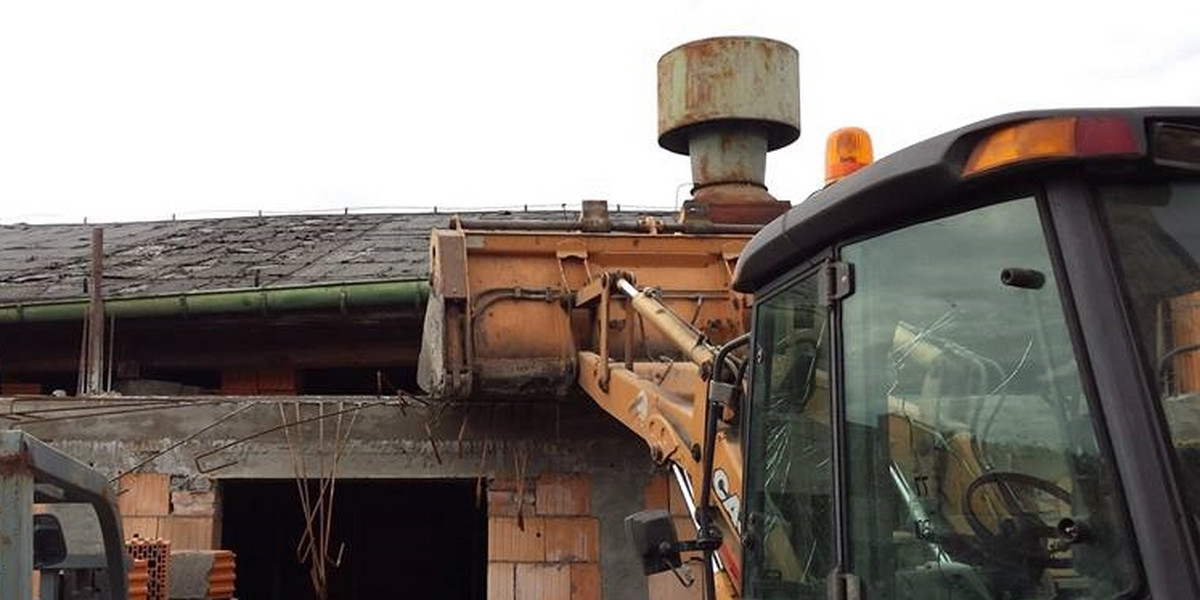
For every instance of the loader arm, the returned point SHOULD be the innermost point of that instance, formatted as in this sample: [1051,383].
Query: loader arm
[669,406]
[644,354]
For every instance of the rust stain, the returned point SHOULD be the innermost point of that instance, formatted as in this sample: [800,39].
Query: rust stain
[524,340]
[702,168]
[15,465]
[768,51]
[739,203]
[723,78]
[729,142]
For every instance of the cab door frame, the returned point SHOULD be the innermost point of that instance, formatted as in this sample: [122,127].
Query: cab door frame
[1137,433]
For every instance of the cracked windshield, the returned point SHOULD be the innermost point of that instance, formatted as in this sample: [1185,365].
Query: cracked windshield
[972,465]
[974,470]
[789,547]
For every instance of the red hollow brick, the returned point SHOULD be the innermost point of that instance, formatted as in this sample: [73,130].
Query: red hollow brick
[561,494]
[572,539]
[508,543]
[586,582]
[543,582]
[500,582]
[658,492]
[678,505]
[145,494]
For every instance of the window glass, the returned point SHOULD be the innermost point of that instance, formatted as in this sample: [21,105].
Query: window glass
[972,465]
[1156,232]
[789,548]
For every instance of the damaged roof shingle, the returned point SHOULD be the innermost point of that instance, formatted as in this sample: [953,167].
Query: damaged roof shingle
[50,262]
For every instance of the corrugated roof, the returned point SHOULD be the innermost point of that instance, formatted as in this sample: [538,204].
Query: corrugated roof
[48,262]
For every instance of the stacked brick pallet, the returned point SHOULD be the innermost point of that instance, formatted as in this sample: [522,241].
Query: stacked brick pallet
[159,522]
[223,576]
[552,548]
[139,580]
[157,554]
[202,575]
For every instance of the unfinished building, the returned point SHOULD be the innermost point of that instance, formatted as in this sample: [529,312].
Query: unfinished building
[249,386]
[249,383]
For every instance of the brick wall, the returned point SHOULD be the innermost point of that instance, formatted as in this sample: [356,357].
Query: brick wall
[662,492]
[14,388]
[151,510]
[543,541]
[273,381]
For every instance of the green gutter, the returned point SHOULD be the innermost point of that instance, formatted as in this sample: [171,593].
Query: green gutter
[342,296]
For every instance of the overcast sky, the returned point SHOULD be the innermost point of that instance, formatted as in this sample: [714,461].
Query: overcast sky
[143,110]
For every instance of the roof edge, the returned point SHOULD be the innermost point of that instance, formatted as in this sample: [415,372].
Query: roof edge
[266,300]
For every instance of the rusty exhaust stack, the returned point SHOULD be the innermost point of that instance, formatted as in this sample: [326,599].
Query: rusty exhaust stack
[726,102]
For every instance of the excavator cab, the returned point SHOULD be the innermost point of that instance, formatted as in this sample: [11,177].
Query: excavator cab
[976,369]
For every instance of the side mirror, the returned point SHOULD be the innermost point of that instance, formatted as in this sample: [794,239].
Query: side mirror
[49,545]
[653,535]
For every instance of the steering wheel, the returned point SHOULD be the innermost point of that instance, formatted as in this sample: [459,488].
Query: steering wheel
[1021,536]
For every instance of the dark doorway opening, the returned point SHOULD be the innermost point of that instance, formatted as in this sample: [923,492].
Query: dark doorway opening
[402,539]
[383,381]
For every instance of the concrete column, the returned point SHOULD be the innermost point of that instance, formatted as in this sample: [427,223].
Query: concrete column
[16,528]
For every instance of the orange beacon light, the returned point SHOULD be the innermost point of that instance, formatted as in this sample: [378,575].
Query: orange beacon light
[846,150]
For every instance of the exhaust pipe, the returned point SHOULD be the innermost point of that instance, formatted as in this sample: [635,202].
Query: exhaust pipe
[726,102]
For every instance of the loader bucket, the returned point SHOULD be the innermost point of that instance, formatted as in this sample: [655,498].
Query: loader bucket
[510,308]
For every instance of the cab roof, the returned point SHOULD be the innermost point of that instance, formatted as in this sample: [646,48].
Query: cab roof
[911,182]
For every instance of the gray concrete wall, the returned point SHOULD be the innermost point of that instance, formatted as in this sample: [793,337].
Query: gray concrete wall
[379,441]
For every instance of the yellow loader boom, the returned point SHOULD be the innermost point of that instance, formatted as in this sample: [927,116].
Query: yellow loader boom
[533,312]
[635,311]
